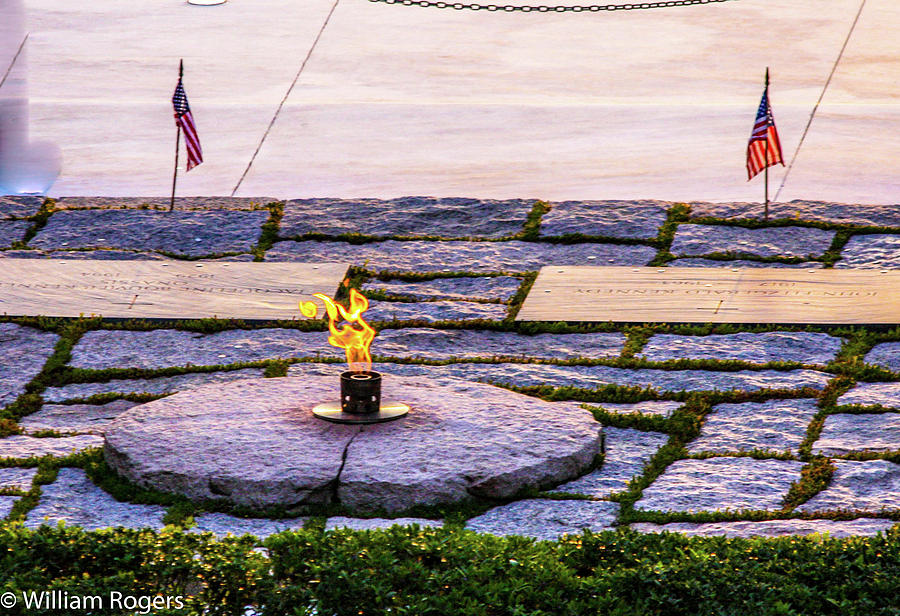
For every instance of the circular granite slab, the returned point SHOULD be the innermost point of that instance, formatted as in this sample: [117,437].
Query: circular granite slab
[256,443]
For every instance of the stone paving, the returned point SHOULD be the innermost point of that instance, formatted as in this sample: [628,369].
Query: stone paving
[408,216]
[750,442]
[767,242]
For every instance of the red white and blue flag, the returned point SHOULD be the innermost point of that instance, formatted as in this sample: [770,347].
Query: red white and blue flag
[764,149]
[185,120]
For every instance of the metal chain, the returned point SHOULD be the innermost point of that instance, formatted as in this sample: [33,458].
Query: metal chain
[509,8]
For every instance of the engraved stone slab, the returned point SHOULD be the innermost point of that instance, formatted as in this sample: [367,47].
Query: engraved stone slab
[691,486]
[163,290]
[871,485]
[837,529]
[256,443]
[713,295]
[546,519]
[776,425]
[766,242]
[844,433]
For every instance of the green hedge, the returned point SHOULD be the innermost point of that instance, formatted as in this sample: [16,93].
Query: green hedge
[412,571]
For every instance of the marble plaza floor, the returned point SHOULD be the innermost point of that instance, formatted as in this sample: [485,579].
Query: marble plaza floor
[750,430]
[351,98]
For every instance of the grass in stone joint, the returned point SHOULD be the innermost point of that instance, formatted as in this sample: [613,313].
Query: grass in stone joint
[755,454]
[677,214]
[814,477]
[269,234]
[531,230]
[833,254]
[636,420]
[827,400]
[732,255]
[516,301]
[39,221]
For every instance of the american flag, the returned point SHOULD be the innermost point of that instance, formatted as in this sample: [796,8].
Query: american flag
[764,149]
[185,120]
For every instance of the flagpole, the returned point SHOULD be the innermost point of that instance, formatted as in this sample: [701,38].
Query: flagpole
[177,143]
[767,149]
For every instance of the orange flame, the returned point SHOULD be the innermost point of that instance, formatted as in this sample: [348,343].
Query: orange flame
[355,341]
[309,309]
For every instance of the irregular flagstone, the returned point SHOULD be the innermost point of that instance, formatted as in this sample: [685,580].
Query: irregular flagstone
[629,219]
[846,433]
[426,343]
[691,486]
[181,203]
[627,452]
[160,385]
[406,216]
[24,350]
[872,485]
[836,529]
[659,408]
[737,263]
[871,394]
[592,377]
[104,255]
[222,524]
[431,312]
[21,446]
[886,354]
[163,348]
[803,347]
[850,213]
[465,439]
[12,231]
[691,239]
[256,443]
[378,523]
[459,256]
[76,500]
[546,519]
[871,251]
[15,206]
[775,425]
[16,478]
[81,418]
[6,505]
[468,287]
[192,233]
